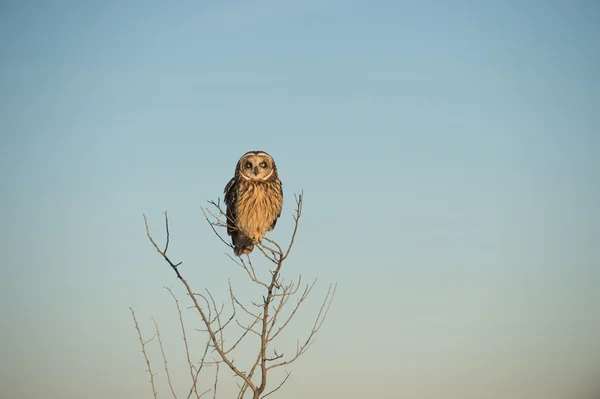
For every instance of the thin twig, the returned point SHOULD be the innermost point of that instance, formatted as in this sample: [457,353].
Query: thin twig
[185,343]
[163,253]
[302,298]
[193,388]
[299,198]
[162,350]
[214,230]
[280,385]
[216,381]
[137,327]
[321,316]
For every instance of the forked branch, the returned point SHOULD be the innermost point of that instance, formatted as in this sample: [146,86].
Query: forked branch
[206,321]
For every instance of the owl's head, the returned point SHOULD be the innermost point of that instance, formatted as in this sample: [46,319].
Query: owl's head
[256,165]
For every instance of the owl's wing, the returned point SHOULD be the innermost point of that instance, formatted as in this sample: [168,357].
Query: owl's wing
[280,186]
[230,200]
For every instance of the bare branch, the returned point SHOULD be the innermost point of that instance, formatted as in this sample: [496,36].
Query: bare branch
[194,383]
[280,385]
[326,305]
[162,350]
[201,312]
[242,306]
[299,198]
[290,290]
[185,342]
[250,375]
[248,328]
[216,381]
[264,338]
[249,269]
[167,230]
[264,322]
[277,356]
[279,251]
[266,255]
[298,303]
[163,253]
[137,327]
[218,319]
[321,316]
[213,226]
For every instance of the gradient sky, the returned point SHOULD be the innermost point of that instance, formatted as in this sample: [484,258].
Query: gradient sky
[449,153]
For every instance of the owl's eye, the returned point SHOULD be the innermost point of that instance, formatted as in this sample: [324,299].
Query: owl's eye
[263,164]
[248,165]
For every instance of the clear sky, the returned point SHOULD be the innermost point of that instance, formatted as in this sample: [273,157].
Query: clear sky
[449,153]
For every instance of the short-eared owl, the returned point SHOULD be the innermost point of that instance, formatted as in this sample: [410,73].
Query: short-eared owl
[254,198]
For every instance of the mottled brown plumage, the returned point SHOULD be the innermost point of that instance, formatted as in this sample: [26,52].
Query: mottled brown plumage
[254,198]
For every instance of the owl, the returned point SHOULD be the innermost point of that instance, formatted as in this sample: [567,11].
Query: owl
[254,198]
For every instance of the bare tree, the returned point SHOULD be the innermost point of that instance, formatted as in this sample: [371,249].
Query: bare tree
[265,320]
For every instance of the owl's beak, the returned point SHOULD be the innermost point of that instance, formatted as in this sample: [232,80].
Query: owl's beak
[255,170]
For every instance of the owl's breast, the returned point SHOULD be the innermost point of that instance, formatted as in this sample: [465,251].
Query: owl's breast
[259,205]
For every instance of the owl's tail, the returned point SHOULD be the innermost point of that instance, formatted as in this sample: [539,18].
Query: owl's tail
[242,244]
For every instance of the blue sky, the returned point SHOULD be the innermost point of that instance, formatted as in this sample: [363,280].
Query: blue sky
[448,152]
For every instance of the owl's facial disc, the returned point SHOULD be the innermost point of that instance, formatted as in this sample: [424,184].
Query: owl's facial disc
[256,166]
